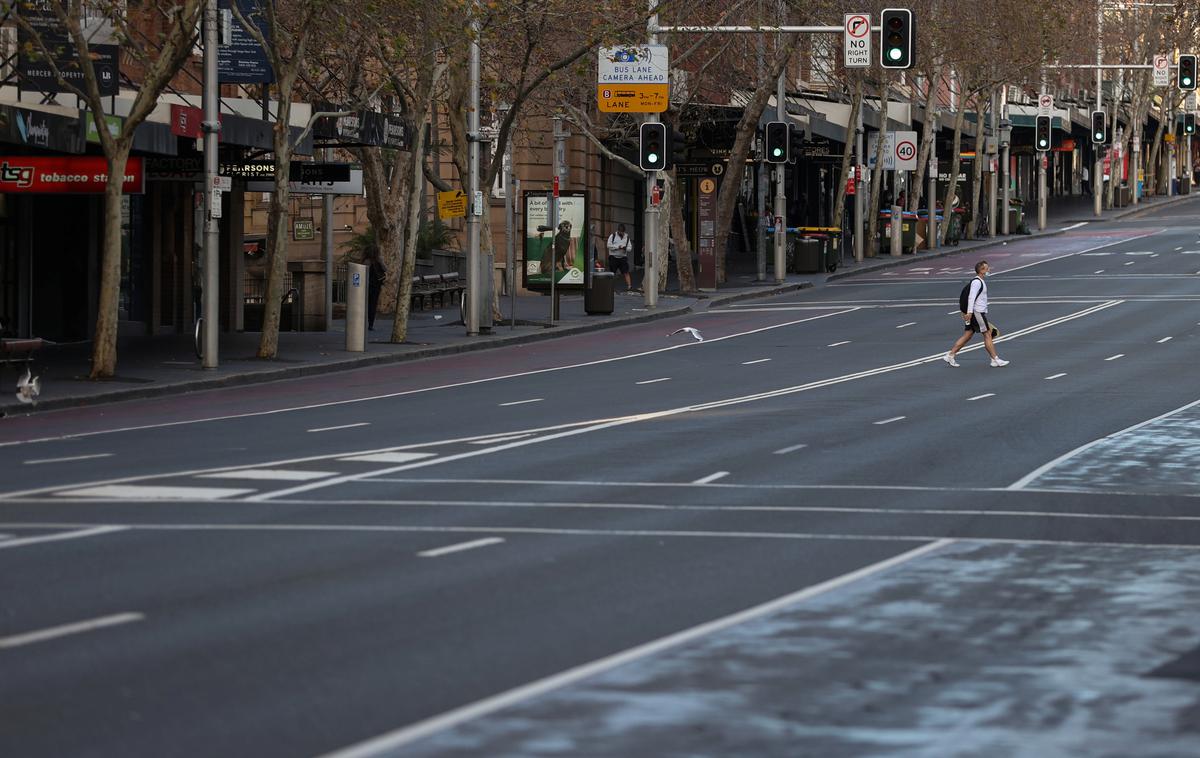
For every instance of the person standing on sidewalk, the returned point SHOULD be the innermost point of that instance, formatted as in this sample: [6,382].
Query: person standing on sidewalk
[976,320]
[619,246]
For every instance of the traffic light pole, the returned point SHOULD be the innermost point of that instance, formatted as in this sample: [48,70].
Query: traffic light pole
[650,217]
[780,193]
[858,191]
[1041,160]
[1098,173]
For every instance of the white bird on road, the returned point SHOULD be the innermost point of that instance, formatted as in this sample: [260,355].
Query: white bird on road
[28,387]
[696,335]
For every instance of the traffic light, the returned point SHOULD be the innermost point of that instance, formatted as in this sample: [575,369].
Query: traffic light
[1189,123]
[1042,134]
[776,140]
[898,48]
[1187,72]
[1099,128]
[652,146]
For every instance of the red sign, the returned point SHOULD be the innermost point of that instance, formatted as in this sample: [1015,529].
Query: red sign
[850,189]
[186,120]
[75,174]
[556,185]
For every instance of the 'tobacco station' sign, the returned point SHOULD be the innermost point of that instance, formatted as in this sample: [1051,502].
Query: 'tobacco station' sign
[84,175]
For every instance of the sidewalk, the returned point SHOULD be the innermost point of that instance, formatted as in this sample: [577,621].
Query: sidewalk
[164,365]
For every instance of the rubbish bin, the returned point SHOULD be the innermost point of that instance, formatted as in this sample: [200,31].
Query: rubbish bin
[598,298]
[908,232]
[804,254]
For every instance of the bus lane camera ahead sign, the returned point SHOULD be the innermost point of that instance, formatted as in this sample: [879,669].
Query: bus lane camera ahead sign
[633,79]
[856,41]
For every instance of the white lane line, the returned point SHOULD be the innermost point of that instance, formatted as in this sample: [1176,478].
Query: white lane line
[791,449]
[1191,252]
[1141,252]
[751,363]
[495,440]
[78,627]
[1101,271]
[842,310]
[953,313]
[1114,357]
[981,397]
[1081,252]
[1024,481]
[1057,376]
[910,323]
[1073,226]
[1179,248]
[397,457]
[343,426]
[152,492]
[270,474]
[1155,255]
[95,532]
[838,344]
[522,402]
[461,546]
[711,477]
[655,381]
[389,742]
[1165,339]
[1129,263]
[68,458]
[890,420]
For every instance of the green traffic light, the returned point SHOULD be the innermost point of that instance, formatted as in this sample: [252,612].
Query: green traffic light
[652,157]
[1187,81]
[895,53]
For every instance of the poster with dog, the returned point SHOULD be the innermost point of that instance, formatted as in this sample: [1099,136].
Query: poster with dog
[561,250]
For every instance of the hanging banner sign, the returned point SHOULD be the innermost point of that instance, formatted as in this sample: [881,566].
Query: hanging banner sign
[64,175]
[243,60]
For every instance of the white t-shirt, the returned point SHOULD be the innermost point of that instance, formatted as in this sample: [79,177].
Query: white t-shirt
[977,298]
[618,246]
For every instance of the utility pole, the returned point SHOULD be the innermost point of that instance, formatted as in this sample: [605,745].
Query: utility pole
[650,217]
[1041,161]
[1005,139]
[858,190]
[761,205]
[1098,173]
[993,144]
[556,181]
[212,197]
[475,290]
[780,192]
[327,251]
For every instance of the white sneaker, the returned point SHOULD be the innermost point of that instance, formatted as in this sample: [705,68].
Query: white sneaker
[997,362]
[950,359]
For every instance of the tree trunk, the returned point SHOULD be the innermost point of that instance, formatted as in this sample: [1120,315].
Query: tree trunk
[955,164]
[1152,161]
[104,343]
[839,204]
[927,141]
[877,172]
[277,232]
[977,167]
[662,255]
[384,204]
[683,248]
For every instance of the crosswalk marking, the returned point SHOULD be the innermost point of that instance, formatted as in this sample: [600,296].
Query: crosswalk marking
[153,492]
[393,457]
[270,474]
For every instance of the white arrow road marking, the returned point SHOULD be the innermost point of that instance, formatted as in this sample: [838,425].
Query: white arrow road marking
[66,629]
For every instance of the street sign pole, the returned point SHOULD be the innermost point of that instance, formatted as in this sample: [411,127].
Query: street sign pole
[650,272]
[780,197]
[1098,173]
[211,125]
[1041,161]
[474,290]
[858,193]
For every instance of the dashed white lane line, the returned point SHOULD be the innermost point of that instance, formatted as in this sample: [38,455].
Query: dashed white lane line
[751,363]
[711,477]
[1129,263]
[343,426]
[1155,255]
[1114,357]
[1165,339]
[68,458]
[890,420]
[522,402]
[836,344]
[58,536]
[953,313]
[910,323]
[1057,376]
[1179,248]
[270,474]
[1101,271]
[981,397]
[151,492]
[459,547]
[398,456]
[791,449]
[655,381]
[78,627]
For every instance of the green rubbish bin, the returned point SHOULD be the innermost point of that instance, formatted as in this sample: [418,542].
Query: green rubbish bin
[804,254]
[908,232]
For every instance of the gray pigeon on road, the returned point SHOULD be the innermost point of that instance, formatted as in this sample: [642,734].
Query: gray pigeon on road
[28,387]
[696,335]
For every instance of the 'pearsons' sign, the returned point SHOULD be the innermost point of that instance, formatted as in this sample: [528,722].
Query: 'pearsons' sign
[633,79]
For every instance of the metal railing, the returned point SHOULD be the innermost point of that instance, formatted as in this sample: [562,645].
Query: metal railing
[254,288]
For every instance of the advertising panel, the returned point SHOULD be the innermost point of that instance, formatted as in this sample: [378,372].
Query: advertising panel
[563,250]
[75,174]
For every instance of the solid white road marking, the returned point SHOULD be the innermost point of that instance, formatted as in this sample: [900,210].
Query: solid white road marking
[1129,263]
[461,546]
[152,492]
[95,532]
[1057,376]
[343,426]
[1142,252]
[522,402]
[1114,357]
[495,440]
[1179,248]
[655,381]
[69,458]
[837,344]
[751,363]
[711,477]
[890,420]
[792,449]
[387,744]
[1073,226]
[1191,252]
[981,397]
[910,323]
[270,474]
[1165,339]
[397,457]
[78,627]
[1101,271]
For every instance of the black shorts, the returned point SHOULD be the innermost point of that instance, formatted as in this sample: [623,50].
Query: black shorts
[618,264]
[974,325]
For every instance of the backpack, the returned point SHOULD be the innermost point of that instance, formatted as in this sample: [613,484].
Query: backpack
[965,295]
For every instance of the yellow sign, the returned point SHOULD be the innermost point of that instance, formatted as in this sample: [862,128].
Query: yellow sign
[632,98]
[452,204]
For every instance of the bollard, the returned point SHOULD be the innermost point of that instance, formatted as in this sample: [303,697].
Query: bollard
[356,307]
[896,222]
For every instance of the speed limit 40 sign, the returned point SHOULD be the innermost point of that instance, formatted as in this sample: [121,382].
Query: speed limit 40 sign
[905,151]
